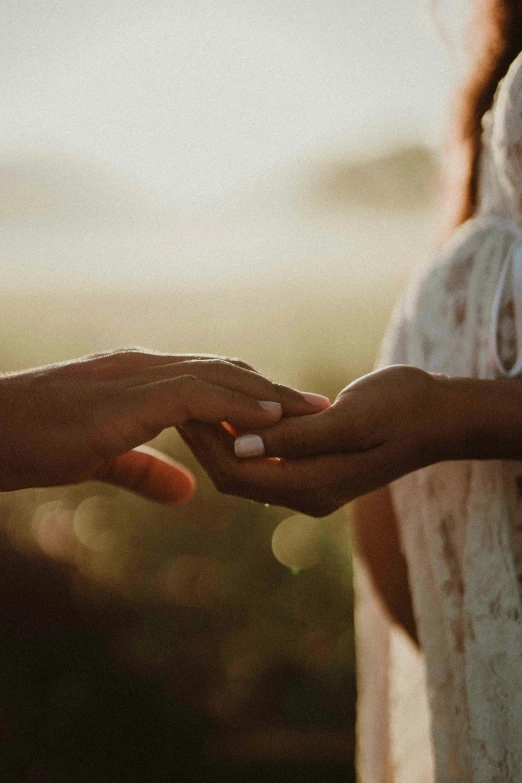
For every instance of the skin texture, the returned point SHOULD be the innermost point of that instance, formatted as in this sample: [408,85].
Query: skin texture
[379,428]
[87,419]
[376,536]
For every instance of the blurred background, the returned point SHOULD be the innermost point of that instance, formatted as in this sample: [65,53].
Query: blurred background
[256,179]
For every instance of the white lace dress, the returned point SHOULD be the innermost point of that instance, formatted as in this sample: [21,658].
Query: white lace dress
[454,713]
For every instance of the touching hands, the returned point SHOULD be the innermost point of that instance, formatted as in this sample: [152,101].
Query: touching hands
[379,428]
[86,419]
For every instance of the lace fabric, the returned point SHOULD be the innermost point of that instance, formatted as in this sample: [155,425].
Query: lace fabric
[454,713]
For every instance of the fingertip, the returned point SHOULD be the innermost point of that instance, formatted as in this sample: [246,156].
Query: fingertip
[274,408]
[318,401]
[168,481]
[181,489]
[247,446]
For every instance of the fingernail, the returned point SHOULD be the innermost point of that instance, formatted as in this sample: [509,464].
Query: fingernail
[317,400]
[273,407]
[249,446]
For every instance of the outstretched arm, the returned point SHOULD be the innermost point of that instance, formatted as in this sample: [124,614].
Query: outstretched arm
[380,427]
[88,419]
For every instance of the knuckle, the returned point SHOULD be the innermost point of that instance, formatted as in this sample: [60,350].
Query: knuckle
[211,367]
[131,352]
[239,363]
[123,357]
[185,387]
[106,364]
[233,403]
[186,384]
[224,368]
[215,363]
[98,356]
[237,398]
[279,389]
[133,349]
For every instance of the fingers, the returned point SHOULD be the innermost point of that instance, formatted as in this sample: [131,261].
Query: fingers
[150,474]
[327,432]
[141,358]
[231,376]
[134,367]
[128,361]
[150,408]
[314,485]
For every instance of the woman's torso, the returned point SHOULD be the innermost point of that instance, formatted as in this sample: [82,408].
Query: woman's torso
[461,522]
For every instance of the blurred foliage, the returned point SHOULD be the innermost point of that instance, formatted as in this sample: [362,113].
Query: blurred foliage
[403,179]
[144,643]
[131,632]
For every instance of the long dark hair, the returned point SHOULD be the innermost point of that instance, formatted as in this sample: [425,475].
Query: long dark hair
[495,41]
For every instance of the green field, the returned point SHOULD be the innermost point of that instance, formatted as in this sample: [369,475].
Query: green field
[102,633]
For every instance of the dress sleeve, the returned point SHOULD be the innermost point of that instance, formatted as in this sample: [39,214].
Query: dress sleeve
[506,139]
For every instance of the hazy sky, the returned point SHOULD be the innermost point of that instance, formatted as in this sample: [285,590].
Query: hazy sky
[195,97]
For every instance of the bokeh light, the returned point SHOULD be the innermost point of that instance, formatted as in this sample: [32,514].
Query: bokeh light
[250,179]
[91,524]
[193,581]
[298,542]
[54,532]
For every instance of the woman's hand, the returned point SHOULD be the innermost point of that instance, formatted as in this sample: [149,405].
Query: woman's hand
[380,427]
[84,419]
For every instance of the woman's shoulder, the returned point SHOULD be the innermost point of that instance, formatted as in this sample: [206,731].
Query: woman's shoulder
[506,137]
[450,268]
[432,316]
[509,92]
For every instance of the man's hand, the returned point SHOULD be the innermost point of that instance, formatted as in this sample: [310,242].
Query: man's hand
[88,418]
[380,427]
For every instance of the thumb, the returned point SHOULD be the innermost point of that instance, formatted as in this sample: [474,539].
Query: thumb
[303,436]
[150,474]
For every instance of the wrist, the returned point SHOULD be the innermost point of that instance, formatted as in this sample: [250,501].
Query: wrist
[478,419]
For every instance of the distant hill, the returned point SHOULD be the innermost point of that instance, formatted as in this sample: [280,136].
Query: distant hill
[297,273]
[49,183]
[71,223]
[400,180]
[36,184]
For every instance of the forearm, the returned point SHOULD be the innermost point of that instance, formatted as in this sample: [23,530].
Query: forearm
[478,419]
[376,538]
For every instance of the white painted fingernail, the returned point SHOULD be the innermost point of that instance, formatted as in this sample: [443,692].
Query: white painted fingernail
[249,446]
[273,407]
[317,400]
